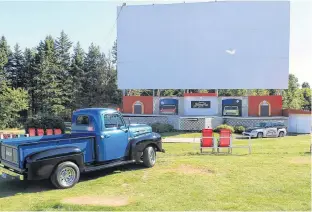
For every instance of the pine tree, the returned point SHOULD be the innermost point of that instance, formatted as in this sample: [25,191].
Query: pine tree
[30,75]
[92,68]
[14,69]
[49,93]
[4,57]
[62,50]
[77,74]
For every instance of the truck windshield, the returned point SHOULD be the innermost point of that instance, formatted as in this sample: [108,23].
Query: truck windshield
[113,120]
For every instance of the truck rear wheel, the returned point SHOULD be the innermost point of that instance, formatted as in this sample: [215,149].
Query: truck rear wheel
[66,175]
[260,135]
[149,157]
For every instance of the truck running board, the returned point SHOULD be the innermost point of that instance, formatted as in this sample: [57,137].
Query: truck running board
[109,165]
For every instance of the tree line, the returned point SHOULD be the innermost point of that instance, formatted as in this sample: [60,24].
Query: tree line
[58,76]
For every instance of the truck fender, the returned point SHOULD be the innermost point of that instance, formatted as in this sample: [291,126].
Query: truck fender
[40,165]
[139,144]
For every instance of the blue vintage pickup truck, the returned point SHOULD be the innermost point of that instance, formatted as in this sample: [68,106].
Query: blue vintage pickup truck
[99,139]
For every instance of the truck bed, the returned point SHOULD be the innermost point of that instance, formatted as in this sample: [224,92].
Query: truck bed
[22,147]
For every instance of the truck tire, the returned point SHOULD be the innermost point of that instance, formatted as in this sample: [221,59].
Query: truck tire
[66,175]
[281,134]
[149,157]
[260,135]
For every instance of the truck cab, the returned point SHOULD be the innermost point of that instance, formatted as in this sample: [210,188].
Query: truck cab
[100,138]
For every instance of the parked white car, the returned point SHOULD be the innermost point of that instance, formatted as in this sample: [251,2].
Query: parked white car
[267,129]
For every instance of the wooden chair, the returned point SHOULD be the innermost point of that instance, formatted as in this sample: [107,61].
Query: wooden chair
[207,140]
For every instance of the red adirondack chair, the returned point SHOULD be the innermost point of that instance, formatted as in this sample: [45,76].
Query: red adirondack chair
[49,132]
[57,131]
[207,140]
[32,132]
[40,132]
[225,140]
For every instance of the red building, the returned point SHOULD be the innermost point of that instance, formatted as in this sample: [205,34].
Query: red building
[265,105]
[138,104]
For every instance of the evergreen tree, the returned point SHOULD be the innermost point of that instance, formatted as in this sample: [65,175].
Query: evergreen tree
[62,51]
[30,75]
[77,74]
[93,66]
[49,80]
[4,56]
[14,68]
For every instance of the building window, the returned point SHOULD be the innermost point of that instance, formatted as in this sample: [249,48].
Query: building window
[138,108]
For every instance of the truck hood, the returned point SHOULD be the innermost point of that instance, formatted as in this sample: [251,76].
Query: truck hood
[139,129]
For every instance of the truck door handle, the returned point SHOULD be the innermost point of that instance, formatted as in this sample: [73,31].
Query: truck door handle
[105,136]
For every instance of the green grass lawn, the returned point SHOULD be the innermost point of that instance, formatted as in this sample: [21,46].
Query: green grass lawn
[276,176]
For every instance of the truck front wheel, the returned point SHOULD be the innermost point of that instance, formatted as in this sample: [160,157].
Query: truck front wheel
[149,157]
[66,175]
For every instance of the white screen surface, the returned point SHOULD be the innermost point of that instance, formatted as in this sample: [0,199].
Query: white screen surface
[211,45]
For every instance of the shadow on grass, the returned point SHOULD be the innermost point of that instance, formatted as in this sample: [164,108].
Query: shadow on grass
[10,188]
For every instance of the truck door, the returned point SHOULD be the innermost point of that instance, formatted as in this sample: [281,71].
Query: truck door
[114,138]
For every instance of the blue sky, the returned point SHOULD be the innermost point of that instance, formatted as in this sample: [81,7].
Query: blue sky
[28,22]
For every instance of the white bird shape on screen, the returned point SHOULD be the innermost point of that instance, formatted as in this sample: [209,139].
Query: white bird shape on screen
[231,51]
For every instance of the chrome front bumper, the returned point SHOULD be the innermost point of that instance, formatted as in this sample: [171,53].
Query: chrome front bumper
[7,173]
